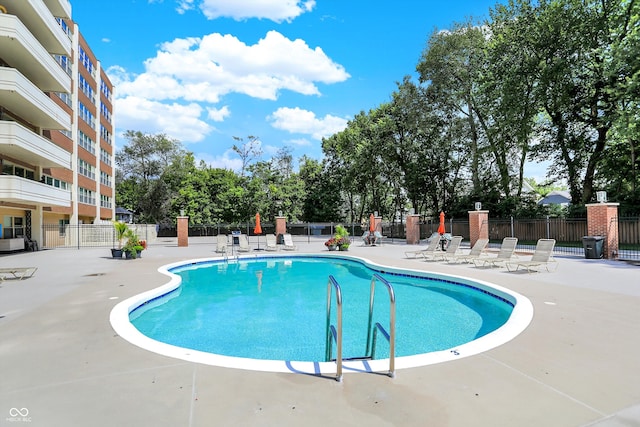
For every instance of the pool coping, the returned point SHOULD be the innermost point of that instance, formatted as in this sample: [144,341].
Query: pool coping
[518,321]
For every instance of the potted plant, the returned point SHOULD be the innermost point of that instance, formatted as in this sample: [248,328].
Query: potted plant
[133,248]
[342,238]
[121,229]
[331,244]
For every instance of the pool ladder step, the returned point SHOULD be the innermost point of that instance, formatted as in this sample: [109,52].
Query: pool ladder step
[334,333]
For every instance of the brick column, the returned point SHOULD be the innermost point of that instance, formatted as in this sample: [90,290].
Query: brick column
[478,226]
[602,220]
[377,222]
[183,231]
[413,229]
[281,225]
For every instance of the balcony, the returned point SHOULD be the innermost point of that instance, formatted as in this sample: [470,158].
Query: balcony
[25,99]
[59,8]
[15,189]
[20,143]
[25,53]
[35,15]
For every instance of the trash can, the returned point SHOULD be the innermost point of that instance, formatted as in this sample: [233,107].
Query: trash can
[593,246]
[280,239]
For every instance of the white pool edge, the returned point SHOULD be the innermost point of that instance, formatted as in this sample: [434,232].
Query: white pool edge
[519,320]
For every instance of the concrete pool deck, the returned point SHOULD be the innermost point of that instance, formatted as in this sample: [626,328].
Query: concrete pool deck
[61,363]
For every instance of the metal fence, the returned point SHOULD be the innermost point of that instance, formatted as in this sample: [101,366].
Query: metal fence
[568,232]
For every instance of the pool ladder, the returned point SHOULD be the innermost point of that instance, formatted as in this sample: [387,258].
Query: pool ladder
[334,333]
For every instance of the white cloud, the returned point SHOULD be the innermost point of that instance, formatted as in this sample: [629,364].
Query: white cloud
[300,142]
[178,121]
[297,120]
[275,10]
[205,69]
[184,5]
[218,114]
[228,160]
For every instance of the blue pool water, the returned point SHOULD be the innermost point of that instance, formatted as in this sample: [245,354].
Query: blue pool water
[275,309]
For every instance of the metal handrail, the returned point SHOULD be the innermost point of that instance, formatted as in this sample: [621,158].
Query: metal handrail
[331,332]
[391,335]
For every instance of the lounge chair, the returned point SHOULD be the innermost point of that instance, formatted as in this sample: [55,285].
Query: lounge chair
[221,244]
[476,252]
[377,238]
[18,273]
[452,248]
[432,246]
[288,243]
[542,257]
[272,243]
[505,254]
[243,243]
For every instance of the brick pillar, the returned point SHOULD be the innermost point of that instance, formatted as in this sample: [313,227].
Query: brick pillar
[478,226]
[281,225]
[377,222]
[602,220]
[183,231]
[413,229]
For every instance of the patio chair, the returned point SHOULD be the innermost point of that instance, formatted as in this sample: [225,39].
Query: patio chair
[221,244]
[272,243]
[243,243]
[432,246]
[452,248]
[18,273]
[477,251]
[288,243]
[542,257]
[505,254]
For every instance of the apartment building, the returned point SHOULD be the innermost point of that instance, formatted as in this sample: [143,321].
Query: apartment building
[56,125]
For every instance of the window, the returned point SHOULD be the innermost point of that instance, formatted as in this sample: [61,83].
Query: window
[65,97]
[64,26]
[105,90]
[62,227]
[64,62]
[86,88]
[87,143]
[86,115]
[86,61]
[105,111]
[12,227]
[86,196]
[105,134]
[105,156]
[105,179]
[86,169]
[9,168]
[105,201]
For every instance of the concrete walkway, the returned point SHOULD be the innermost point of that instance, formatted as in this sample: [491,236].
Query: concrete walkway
[61,364]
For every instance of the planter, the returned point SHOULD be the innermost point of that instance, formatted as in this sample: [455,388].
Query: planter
[128,255]
[344,247]
[116,253]
[332,247]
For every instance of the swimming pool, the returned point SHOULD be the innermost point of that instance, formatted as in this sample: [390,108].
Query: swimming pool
[235,323]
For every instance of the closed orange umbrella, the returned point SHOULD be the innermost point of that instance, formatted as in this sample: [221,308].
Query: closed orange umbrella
[258,229]
[441,228]
[372,223]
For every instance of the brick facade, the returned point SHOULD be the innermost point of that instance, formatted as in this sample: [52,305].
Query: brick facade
[602,220]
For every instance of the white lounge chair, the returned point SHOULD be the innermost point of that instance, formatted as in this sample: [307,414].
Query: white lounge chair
[542,257]
[272,244]
[243,243]
[452,248]
[18,273]
[221,244]
[507,249]
[432,246]
[476,252]
[288,243]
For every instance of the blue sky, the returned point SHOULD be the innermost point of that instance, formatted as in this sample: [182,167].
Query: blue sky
[289,72]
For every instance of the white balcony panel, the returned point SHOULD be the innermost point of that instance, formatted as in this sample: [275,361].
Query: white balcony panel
[23,51]
[35,15]
[20,143]
[22,97]
[15,189]
[59,8]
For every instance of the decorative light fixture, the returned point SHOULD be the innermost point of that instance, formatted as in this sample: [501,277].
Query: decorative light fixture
[412,211]
[601,196]
[375,213]
[279,213]
[181,212]
[478,206]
